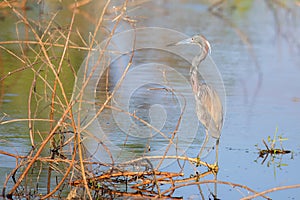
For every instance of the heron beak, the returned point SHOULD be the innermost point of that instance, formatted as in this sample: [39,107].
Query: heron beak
[186,41]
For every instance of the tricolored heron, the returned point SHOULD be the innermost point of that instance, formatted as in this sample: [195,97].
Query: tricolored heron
[208,104]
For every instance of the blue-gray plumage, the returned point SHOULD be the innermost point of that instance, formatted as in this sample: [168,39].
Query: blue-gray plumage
[208,104]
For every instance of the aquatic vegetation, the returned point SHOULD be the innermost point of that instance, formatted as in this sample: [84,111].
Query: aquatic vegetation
[275,154]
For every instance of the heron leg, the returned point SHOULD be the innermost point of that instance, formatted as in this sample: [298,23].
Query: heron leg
[204,144]
[217,151]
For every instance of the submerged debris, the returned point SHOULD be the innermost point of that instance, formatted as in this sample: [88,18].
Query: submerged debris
[265,152]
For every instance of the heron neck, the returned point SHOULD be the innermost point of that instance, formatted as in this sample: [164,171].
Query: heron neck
[199,58]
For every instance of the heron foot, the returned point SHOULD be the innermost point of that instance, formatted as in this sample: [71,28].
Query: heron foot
[214,168]
[197,162]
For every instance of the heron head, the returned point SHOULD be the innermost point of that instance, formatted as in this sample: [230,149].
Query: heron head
[198,40]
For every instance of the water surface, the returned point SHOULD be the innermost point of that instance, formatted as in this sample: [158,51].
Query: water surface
[255,48]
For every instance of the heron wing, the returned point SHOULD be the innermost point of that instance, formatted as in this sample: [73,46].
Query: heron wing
[209,109]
